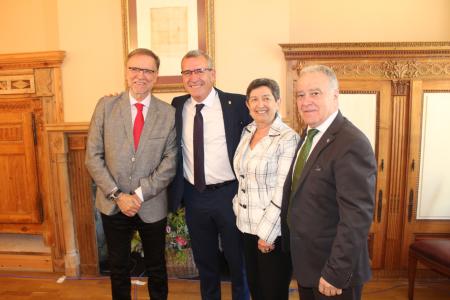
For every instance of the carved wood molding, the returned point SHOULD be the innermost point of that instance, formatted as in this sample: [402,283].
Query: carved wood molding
[49,59]
[384,69]
[68,127]
[19,84]
[366,50]
[400,88]
[391,61]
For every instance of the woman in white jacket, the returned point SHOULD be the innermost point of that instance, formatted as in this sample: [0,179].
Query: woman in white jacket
[261,163]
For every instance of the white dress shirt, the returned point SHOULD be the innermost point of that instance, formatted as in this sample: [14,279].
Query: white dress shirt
[217,163]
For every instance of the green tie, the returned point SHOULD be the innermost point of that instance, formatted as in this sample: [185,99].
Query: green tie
[303,155]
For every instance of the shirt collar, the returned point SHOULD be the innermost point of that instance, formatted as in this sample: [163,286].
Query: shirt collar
[209,100]
[324,126]
[275,127]
[145,102]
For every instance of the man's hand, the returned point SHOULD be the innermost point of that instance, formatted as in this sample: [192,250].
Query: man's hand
[327,289]
[129,204]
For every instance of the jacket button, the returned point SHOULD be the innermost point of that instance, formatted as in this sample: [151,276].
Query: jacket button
[133,159]
[243,190]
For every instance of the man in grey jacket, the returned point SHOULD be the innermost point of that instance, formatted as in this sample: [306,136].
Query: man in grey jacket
[131,156]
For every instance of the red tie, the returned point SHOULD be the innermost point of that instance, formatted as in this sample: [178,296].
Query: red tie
[138,124]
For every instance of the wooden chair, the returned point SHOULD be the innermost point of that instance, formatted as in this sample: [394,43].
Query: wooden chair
[433,253]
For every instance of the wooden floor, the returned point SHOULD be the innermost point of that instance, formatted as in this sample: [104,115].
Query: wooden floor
[44,286]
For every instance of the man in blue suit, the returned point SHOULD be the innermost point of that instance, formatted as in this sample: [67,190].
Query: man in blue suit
[209,124]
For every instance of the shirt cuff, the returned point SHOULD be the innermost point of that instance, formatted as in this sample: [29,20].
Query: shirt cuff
[138,192]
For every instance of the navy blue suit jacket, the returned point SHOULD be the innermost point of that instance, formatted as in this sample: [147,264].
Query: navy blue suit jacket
[235,118]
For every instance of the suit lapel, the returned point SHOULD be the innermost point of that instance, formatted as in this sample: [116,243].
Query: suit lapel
[228,120]
[179,117]
[125,112]
[326,139]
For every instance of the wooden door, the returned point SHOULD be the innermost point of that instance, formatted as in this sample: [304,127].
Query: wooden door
[427,209]
[19,202]
[367,104]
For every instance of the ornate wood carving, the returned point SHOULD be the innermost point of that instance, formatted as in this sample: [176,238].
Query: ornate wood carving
[397,182]
[400,88]
[387,69]
[363,51]
[20,84]
[36,60]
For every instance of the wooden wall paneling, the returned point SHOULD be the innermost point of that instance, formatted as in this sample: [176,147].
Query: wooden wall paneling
[383,125]
[62,199]
[21,202]
[49,87]
[37,78]
[397,171]
[83,205]
[417,229]
[30,262]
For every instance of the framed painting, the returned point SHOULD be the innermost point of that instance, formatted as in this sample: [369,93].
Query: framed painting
[170,28]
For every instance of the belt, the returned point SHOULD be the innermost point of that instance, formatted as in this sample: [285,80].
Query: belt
[215,186]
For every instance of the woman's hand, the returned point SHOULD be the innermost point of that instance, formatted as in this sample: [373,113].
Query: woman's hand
[265,247]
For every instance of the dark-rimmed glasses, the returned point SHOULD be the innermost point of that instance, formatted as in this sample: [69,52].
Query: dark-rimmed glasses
[136,70]
[198,71]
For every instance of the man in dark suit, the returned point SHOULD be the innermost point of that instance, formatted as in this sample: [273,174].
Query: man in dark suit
[131,155]
[329,195]
[209,124]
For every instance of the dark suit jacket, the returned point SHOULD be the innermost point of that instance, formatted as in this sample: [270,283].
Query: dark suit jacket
[235,118]
[331,211]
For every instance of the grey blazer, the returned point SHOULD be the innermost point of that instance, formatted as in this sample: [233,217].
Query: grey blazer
[112,161]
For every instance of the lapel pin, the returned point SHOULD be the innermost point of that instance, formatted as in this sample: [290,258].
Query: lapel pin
[328,140]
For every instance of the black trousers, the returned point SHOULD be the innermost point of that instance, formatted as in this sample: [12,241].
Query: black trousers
[119,230]
[209,214]
[268,274]
[351,293]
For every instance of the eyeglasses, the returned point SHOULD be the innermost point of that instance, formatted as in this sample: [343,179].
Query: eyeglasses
[199,71]
[136,70]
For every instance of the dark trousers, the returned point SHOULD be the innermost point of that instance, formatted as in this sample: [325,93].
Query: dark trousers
[119,230]
[268,274]
[351,293]
[208,215]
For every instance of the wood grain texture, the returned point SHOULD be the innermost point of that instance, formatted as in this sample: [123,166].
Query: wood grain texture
[44,287]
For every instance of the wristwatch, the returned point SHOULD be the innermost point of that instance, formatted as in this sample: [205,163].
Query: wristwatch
[115,195]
